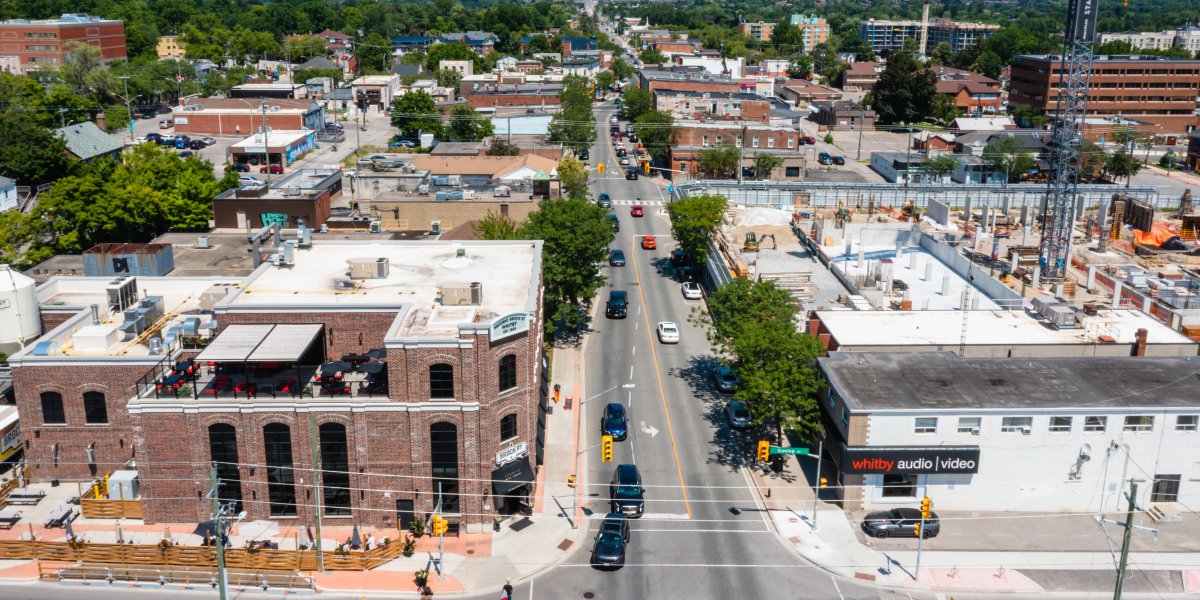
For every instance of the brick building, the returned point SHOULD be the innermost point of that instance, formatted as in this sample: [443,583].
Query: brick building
[813,30]
[1192,160]
[242,116]
[715,105]
[843,115]
[861,76]
[691,79]
[1152,89]
[690,139]
[512,96]
[444,383]
[42,44]
[304,194]
[760,31]
[973,93]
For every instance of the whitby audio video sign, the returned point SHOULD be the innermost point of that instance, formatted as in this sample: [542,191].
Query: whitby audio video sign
[911,460]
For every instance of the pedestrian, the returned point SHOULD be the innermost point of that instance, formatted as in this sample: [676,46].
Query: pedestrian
[508,589]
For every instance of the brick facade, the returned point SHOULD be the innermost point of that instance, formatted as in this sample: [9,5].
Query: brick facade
[487,100]
[41,45]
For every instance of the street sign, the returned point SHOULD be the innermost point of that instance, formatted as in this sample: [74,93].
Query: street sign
[781,450]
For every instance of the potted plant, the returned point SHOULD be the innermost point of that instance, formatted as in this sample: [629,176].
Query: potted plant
[409,546]
[76,543]
[164,545]
[422,577]
[417,526]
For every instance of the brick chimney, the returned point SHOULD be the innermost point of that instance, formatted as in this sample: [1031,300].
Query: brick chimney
[100,122]
[1139,346]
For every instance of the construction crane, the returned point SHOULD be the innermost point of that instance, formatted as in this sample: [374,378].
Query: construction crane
[925,29]
[1058,207]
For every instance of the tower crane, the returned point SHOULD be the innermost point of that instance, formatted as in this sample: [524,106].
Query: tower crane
[1074,78]
[925,29]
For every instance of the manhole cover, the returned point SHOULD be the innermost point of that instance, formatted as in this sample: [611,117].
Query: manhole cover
[565,544]
[588,595]
[793,520]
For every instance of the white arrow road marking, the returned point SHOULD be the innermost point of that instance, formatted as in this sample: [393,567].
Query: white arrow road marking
[649,429]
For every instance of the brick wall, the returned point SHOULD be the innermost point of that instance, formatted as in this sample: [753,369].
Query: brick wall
[51,319]
[478,101]
[219,123]
[345,332]
[694,86]
[418,215]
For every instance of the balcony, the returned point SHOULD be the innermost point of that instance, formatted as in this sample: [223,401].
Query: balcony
[360,377]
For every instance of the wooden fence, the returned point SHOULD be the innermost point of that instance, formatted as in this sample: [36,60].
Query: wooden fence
[100,508]
[7,487]
[197,556]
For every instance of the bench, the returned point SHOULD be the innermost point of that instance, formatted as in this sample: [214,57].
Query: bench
[8,518]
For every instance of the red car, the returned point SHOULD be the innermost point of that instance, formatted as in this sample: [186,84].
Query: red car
[649,243]
[808,139]
[637,210]
[275,169]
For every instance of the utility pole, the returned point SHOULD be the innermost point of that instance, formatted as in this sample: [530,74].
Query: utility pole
[128,109]
[741,148]
[817,481]
[862,115]
[1125,543]
[317,483]
[266,148]
[222,582]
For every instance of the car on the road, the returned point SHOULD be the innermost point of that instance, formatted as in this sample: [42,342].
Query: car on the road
[678,258]
[633,137]
[649,243]
[631,174]
[613,119]
[839,160]
[618,304]
[725,379]
[825,158]
[584,155]
[240,167]
[622,153]
[624,160]
[668,332]
[604,200]
[900,522]
[609,549]
[616,223]
[614,422]
[800,141]
[808,139]
[738,414]
[692,290]
[274,169]
[616,258]
[626,493]
[249,180]
[637,211]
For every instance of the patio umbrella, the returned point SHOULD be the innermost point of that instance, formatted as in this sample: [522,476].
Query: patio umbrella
[332,368]
[355,539]
[70,530]
[257,531]
[377,353]
[120,538]
[205,529]
[371,368]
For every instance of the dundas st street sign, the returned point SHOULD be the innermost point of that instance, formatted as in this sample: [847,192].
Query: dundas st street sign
[911,460]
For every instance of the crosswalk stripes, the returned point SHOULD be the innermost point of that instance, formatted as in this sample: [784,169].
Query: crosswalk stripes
[641,202]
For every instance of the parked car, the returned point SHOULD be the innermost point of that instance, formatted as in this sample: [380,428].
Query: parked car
[633,137]
[692,290]
[839,160]
[618,304]
[626,492]
[614,422]
[725,380]
[240,167]
[208,141]
[369,160]
[738,414]
[167,141]
[613,119]
[616,258]
[182,142]
[604,200]
[808,139]
[678,258]
[631,174]
[801,141]
[649,243]
[185,154]
[402,144]
[274,169]
[154,138]
[637,211]
[196,145]
[584,154]
[900,522]
[824,158]
[668,332]
[622,153]
[249,180]
[166,123]
[609,549]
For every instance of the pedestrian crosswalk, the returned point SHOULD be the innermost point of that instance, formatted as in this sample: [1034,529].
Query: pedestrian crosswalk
[641,202]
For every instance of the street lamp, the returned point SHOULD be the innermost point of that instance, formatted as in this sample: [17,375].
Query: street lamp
[128,101]
[575,468]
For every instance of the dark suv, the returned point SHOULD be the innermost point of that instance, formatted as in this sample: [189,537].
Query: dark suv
[614,422]
[618,304]
[611,540]
[626,491]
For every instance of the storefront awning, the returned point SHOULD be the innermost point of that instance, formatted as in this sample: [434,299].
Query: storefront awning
[260,343]
[512,476]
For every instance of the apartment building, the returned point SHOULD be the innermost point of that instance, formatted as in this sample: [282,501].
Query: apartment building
[1157,90]
[42,44]
[760,31]
[1186,38]
[890,35]
[861,76]
[813,30]
[168,46]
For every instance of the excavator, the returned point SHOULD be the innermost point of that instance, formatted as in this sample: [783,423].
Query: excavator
[753,241]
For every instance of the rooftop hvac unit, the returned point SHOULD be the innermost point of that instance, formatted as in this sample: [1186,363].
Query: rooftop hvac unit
[375,227]
[461,295]
[156,346]
[286,255]
[369,268]
[974,431]
[435,227]
[291,191]
[122,293]
[305,237]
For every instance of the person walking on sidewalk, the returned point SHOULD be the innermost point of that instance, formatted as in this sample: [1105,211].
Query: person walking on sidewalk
[508,589]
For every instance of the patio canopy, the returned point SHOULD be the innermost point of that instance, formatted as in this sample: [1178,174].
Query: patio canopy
[261,343]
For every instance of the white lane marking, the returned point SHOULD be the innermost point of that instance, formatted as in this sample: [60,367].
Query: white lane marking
[634,353]
[654,516]
[631,372]
[649,429]
[758,503]
[640,530]
[839,588]
[530,589]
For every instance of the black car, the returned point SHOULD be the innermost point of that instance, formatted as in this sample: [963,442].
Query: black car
[839,160]
[609,550]
[724,379]
[900,522]
[678,258]
[616,223]
[824,158]
[618,304]
[614,421]
[626,491]
[240,167]
[631,174]
[196,145]
[583,154]
[616,258]
[154,138]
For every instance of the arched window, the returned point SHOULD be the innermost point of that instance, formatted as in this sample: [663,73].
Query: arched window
[443,455]
[335,469]
[223,450]
[508,372]
[52,409]
[508,427]
[441,381]
[94,408]
[281,487]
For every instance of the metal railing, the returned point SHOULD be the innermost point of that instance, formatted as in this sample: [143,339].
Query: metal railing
[176,577]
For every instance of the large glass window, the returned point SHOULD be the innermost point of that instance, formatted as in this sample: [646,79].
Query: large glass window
[508,372]
[441,381]
[443,454]
[94,408]
[223,449]
[335,467]
[925,425]
[508,427]
[1016,424]
[52,409]
[281,487]
[899,486]
[1139,423]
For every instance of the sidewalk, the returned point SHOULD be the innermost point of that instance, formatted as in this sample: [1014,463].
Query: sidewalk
[952,563]
[1187,178]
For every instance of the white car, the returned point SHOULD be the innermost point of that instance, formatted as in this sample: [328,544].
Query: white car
[624,161]
[691,290]
[249,180]
[668,332]
[613,119]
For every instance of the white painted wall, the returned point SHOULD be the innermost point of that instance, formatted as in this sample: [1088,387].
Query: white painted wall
[1020,472]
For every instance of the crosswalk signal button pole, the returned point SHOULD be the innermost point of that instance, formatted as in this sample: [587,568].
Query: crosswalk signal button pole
[764,450]
[606,448]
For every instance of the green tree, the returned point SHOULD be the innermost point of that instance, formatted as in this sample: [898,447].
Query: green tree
[575,235]
[496,227]
[31,154]
[375,54]
[449,78]
[574,178]
[652,56]
[84,71]
[246,45]
[502,147]
[303,47]
[635,102]
[467,125]
[1122,164]
[945,110]
[1091,160]
[655,130]
[942,54]
[989,63]
[604,80]
[765,164]
[721,161]
[1029,117]
[1006,155]
[694,220]
[801,67]
[456,51]
[414,113]
[905,90]
[620,69]
[939,166]
[574,125]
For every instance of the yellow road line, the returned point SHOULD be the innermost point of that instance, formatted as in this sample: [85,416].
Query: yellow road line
[658,374]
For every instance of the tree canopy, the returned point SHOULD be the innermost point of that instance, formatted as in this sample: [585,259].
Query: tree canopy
[905,90]
[576,235]
[414,113]
[574,178]
[694,220]
[655,130]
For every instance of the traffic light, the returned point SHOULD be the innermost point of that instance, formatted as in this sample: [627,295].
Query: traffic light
[606,448]
[571,481]
[917,529]
[439,525]
[600,168]
[764,450]
[646,167]
[824,482]
[926,505]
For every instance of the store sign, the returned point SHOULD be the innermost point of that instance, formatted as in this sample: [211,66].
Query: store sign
[11,441]
[511,453]
[508,326]
[911,460]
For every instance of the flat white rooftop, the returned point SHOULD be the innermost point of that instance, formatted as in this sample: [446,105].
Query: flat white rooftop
[874,328]
[926,293]
[276,138]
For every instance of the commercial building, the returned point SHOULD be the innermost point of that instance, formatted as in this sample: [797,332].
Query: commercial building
[273,89]
[890,35]
[281,147]
[759,31]
[813,30]
[168,46]
[843,115]
[1193,151]
[513,97]
[802,93]
[691,139]
[861,76]
[241,116]
[440,386]
[973,93]
[690,79]
[1185,38]
[715,105]
[1158,90]
[998,434]
[376,90]
[42,44]
[305,194]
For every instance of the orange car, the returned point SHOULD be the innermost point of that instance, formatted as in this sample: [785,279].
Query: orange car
[648,243]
